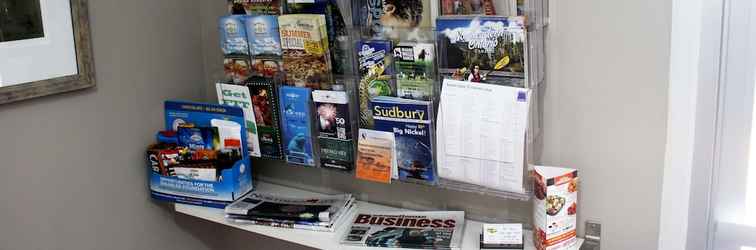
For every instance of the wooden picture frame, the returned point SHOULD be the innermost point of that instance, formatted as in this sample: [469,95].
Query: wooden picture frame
[85,78]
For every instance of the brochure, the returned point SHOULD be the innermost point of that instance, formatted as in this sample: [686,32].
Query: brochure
[414,70]
[488,49]
[296,125]
[305,51]
[265,107]
[410,122]
[335,129]
[376,70]
[376,156]
[555,208]
[239,96]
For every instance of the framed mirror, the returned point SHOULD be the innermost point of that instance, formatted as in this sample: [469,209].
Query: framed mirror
[46,48]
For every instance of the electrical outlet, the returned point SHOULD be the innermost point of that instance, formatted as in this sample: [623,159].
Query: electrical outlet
[592,236]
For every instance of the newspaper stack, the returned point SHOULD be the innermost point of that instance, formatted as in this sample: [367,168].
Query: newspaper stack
[419,230]
[317,213]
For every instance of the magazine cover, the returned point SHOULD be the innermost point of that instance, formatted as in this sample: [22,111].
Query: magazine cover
[468,7]
[233,35]
[335,24]
[236,69]
[376,156]
[265,107]
[375,68]
[393,18]
[414,70]
[263,36]
[305,51]
[320,212]
[296,125]
[239,96]
[254,7]
[422,230]
[483,49]
[410,121]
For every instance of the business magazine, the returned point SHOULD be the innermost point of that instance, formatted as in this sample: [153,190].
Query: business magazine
[420,230]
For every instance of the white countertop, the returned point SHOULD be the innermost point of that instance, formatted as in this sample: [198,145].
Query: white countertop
[325,240]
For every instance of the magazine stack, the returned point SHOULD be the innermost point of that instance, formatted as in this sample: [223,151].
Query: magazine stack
[418,230]
[316,213]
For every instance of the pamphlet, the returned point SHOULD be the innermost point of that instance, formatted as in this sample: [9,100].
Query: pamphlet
[265,107]
[555,208]
[414,70]
[394,18]
[233,35]
[376,157]
[335,129]
[235,95]
[296,125]
[306,54]
[263,36]
[376,69]
[410,122]
[488,49]
[335,27]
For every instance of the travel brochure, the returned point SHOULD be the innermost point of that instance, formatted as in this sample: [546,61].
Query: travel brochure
[484,49]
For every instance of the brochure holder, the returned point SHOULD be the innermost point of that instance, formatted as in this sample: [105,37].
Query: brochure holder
[348,78]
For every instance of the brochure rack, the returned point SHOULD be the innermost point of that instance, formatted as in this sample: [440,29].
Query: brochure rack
[536,12]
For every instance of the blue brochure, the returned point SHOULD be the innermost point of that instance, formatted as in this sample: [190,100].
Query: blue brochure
[233,35]
[263,36]
[296,125]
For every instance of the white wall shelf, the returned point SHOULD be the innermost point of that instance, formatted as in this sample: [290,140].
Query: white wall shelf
[324,240]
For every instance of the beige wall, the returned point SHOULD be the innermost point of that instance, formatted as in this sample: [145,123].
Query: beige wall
[606,111]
